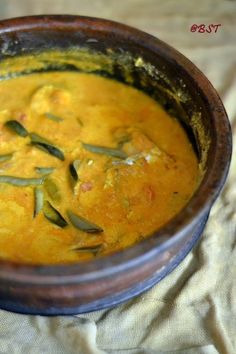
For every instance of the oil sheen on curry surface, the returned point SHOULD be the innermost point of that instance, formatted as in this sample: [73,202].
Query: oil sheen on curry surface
[88,166]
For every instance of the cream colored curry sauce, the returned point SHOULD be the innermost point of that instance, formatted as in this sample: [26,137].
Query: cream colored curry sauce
[117,167]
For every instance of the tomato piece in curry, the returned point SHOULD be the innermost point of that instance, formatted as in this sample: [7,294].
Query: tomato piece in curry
[88,166]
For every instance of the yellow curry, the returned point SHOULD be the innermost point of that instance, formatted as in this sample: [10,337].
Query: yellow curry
[88,166]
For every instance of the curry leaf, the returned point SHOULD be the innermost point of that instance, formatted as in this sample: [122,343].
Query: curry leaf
[83,224]
[97,149]
[17,128]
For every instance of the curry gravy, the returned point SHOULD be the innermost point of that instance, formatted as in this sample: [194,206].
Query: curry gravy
[111,168]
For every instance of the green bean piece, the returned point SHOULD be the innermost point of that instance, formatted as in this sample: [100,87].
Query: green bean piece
[35,138]
[6,157]
[38,200]
[45,145]
[73,166]
[97,149]
[50,149]
[89,249]
[53,117]
[17,128]
[52,189]
[53,215]
[21,182]
[83,224]
[44,170]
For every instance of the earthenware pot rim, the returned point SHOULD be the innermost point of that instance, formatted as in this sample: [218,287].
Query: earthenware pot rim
[200,203]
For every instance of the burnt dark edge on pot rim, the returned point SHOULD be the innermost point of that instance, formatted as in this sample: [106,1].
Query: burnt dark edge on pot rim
[199,205]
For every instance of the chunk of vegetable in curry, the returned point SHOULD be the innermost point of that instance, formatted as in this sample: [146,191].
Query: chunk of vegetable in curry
[88,166]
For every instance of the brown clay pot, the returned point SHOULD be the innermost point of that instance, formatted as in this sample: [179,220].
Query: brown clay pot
[88,286]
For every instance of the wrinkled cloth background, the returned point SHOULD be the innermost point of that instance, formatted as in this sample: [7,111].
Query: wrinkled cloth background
[193,310]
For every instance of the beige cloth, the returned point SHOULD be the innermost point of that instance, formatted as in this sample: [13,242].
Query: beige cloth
[193,310]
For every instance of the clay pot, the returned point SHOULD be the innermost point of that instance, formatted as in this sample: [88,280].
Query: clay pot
[182,89]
